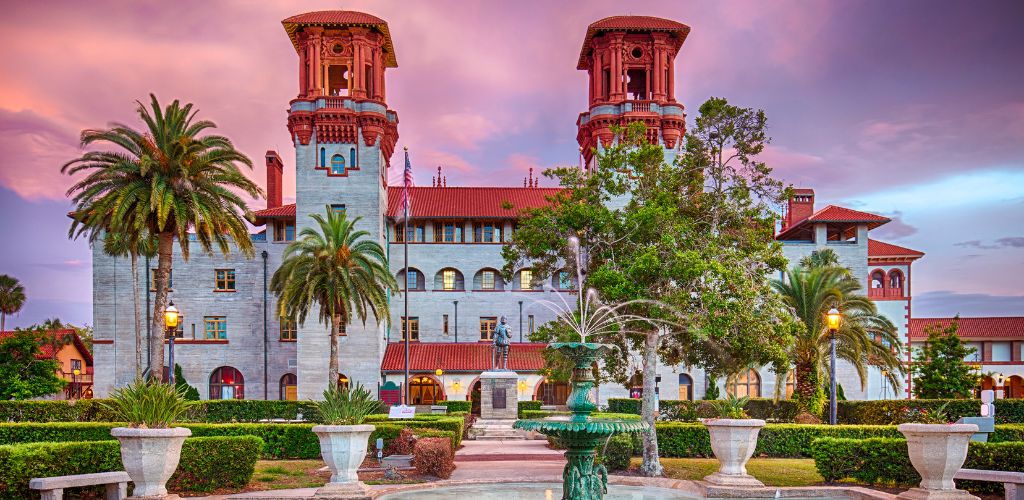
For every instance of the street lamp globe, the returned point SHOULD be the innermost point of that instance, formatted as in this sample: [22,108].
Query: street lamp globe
[834,318]
[171,316]
[438,372]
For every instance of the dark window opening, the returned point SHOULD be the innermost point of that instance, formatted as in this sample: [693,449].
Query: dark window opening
[337,80]
[637,84]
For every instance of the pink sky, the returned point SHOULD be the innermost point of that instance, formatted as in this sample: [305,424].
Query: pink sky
[910,109]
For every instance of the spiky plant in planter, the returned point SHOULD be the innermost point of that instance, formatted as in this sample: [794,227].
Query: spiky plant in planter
[733,439]
[343,438]
[937,450]
[732,407]
[150,447]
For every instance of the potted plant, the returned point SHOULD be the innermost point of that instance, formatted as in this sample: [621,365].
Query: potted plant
[344,438]
[150,447]
[733,439]
[937,450]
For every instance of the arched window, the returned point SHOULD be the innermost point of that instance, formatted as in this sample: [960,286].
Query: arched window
[337,165]
[449,279]
[523,280]
[553,393]
[343,382]
[790,384]
[563,280]
[226,382]
[877,279]
[424,390]
[488,279]
[746,384]
[352,158]
[895,279]
[413,282]
[685,387]
[289,387]
[323,157]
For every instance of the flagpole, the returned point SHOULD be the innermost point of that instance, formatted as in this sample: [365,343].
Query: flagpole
[405,319]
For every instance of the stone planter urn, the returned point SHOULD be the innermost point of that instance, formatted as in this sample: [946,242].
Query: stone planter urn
[733,441]
[150,457]
[937,452]
[343,448]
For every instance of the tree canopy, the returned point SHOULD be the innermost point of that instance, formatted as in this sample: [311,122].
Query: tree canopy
[939,368]
[23,375]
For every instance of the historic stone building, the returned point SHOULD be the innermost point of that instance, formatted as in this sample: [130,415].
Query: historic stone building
[231,344]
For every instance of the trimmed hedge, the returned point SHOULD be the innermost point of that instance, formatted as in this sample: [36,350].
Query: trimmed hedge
[885,461]
[454,406]
[686,411]
[616,452]
[624,405]
[206,464]
[222,411]
[528,405]
[899,411]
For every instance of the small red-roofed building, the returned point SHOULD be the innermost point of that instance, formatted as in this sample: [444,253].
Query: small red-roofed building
[74,359]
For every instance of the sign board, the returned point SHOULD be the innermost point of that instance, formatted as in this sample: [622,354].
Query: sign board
[498,398]
[402,411]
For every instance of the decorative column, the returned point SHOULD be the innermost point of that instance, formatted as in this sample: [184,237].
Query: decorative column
[616,93]
[316,66]
[671,91]
[303,70]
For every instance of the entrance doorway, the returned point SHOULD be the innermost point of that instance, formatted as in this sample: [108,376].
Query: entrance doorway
[424,390]
[474,398]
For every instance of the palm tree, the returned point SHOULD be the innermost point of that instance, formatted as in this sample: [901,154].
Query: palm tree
[337,269]
[866,338]
[165,181]
[125,245]
[12,298]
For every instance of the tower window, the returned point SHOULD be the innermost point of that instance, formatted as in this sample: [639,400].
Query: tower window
[637,53]
[337,165]
[337,79]
[352,158]
[323,157]
[637,86]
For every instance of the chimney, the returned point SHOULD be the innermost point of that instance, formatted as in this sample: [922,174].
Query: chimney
[801,206]
[275,172]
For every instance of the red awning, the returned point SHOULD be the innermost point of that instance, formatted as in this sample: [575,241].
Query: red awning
[459,357]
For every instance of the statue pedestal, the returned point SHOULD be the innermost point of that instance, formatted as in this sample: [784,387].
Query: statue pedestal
[499,407]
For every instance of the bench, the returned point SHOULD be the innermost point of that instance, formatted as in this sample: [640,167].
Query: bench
[52,488]
[1013,482]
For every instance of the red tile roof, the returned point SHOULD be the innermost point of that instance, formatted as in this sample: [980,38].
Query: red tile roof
[631,23]
[882,249]
[803,191]
[459,357]
[999,327]
[833,213]
[486,202]
[281,211]
[47,350]
[342,18]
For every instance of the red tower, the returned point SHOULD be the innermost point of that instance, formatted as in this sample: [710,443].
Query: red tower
[631,64]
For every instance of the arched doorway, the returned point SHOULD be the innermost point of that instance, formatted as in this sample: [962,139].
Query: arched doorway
[474,397]
[343,382]
[425,390]
[227,382]
[1014,387]
[685,387]
[552,393]
[746,384]
[289,387]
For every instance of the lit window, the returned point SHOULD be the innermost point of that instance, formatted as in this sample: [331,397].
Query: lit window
[152,279]
[338,208]
[215,327]
[227,383]
[225,280]
[343,382]
[525,279]
[413,325]
[487,326]
[487,280]
[745,385]
[448,278]
[337,165]
[685,387]
[289,330]
[179,331]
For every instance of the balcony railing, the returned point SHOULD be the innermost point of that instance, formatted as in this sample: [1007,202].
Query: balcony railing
[639,106]
[885,293]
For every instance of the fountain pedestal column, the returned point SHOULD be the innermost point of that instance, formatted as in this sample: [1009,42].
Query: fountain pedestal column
[499,407]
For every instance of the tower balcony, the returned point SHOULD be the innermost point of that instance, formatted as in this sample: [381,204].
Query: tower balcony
[332,103]
[639,108]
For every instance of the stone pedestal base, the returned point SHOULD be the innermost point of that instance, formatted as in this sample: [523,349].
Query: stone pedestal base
[733,480]
[496,430]
[355,490]
[499,395]
[923,494]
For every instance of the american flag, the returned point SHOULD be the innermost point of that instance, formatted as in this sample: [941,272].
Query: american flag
[406,199]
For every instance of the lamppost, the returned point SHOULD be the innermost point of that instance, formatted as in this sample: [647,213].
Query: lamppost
[440,373]
[999,389]
[171,322]
[75,389]
[834,318]
[456,303]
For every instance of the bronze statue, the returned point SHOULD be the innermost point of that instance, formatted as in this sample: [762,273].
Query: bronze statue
[502,344]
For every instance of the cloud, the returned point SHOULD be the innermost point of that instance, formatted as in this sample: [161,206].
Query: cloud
[1012,241]
[946,303]
[34,148]
[1007,242]
[465,130]
[897,228]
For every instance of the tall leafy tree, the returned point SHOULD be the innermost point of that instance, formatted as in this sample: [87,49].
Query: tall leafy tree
[131,247]
[939,368]
[865,338]
[339,272]
[54,334]
[23,373]
[12,298]
[167,181]
[688,244]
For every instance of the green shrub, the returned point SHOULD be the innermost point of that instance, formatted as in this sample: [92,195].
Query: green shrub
[783,410]
[617,452]
[528,405]
[682,440]
[217,411]
[677,411]
[624,405]
[346,406]
[206,463]
[898,411]
[885,461]
[154,405]
[454,406]
[452,423]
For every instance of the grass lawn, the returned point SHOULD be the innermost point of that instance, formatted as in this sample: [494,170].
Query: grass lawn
[287,474]
[771,471]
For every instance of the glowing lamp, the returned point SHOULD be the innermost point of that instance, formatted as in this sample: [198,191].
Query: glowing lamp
[438,372]
[76,371]
[171,316]
[522,386]
[835,318]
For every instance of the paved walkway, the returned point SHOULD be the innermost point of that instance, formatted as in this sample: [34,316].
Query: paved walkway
[507,460]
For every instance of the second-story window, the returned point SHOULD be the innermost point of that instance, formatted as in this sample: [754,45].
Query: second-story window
[337,165]
[284,230]
[487,326]
[564,281]
[487,280]
[412,280]
[414,232]
[412,325]
[338,208]
[289,330]
[179,331]
[215,327]
[448,232]
[486,232]
[448,279]
[225,280]
[530,325]
[525,279]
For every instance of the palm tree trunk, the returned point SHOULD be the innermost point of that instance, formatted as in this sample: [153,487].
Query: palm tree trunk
[651,466]
[332,370]
[806,384]
[165,242]
[138,315]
